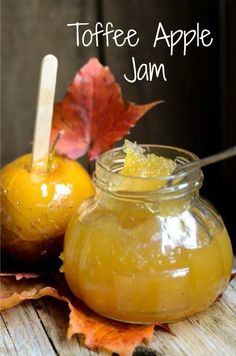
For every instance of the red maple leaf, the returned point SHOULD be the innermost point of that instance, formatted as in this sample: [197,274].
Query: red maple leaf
[93,114]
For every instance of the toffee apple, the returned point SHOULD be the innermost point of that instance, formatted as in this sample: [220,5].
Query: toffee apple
[37,206]
[40,191]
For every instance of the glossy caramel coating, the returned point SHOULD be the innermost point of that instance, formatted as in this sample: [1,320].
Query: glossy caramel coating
[36,207]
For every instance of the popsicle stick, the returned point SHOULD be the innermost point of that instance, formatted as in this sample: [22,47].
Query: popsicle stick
[43,121]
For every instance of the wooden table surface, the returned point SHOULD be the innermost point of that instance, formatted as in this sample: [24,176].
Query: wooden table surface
[38,328]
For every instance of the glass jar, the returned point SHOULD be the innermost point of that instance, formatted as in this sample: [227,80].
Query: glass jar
[140,253]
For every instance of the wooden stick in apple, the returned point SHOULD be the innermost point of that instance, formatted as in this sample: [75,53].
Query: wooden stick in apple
[44,112]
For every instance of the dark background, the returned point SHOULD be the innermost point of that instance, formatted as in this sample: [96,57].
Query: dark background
[199,112]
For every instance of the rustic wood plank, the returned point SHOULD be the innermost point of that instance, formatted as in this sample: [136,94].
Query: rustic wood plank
[26,332]
[207,333]
[233,285]
[7,346]
[54,317]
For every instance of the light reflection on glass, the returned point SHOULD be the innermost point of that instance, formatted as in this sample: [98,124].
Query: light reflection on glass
[180,272]
[179,230]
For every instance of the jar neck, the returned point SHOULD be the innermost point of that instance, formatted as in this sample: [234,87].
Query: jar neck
[171,205]
[155,190]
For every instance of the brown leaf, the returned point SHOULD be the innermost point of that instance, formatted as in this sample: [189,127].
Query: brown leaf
[93,114]
[103,333]
[99,332]
[233,275]
[19,276]
[15,290]
[164,327]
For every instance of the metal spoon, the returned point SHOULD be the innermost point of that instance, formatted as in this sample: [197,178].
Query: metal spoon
[230,152]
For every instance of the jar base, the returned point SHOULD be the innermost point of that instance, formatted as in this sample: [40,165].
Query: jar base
[154,320]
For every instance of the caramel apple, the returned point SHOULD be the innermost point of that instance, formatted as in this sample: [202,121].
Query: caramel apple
[40,191]
[37,206]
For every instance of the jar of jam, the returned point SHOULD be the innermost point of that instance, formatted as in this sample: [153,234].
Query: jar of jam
[147,249]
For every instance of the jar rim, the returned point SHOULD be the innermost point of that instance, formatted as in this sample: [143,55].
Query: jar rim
[108,165]
[169,177]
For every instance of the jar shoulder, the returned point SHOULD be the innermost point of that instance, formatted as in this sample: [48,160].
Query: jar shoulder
[207,214]
[197,218]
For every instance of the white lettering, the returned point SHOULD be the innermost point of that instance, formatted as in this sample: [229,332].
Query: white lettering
[86,37]
[184,37]
[146,71]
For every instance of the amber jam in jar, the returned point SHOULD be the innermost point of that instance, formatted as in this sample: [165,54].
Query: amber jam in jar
[147,249]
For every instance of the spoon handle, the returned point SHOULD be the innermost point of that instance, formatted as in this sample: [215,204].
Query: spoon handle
[230,152]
